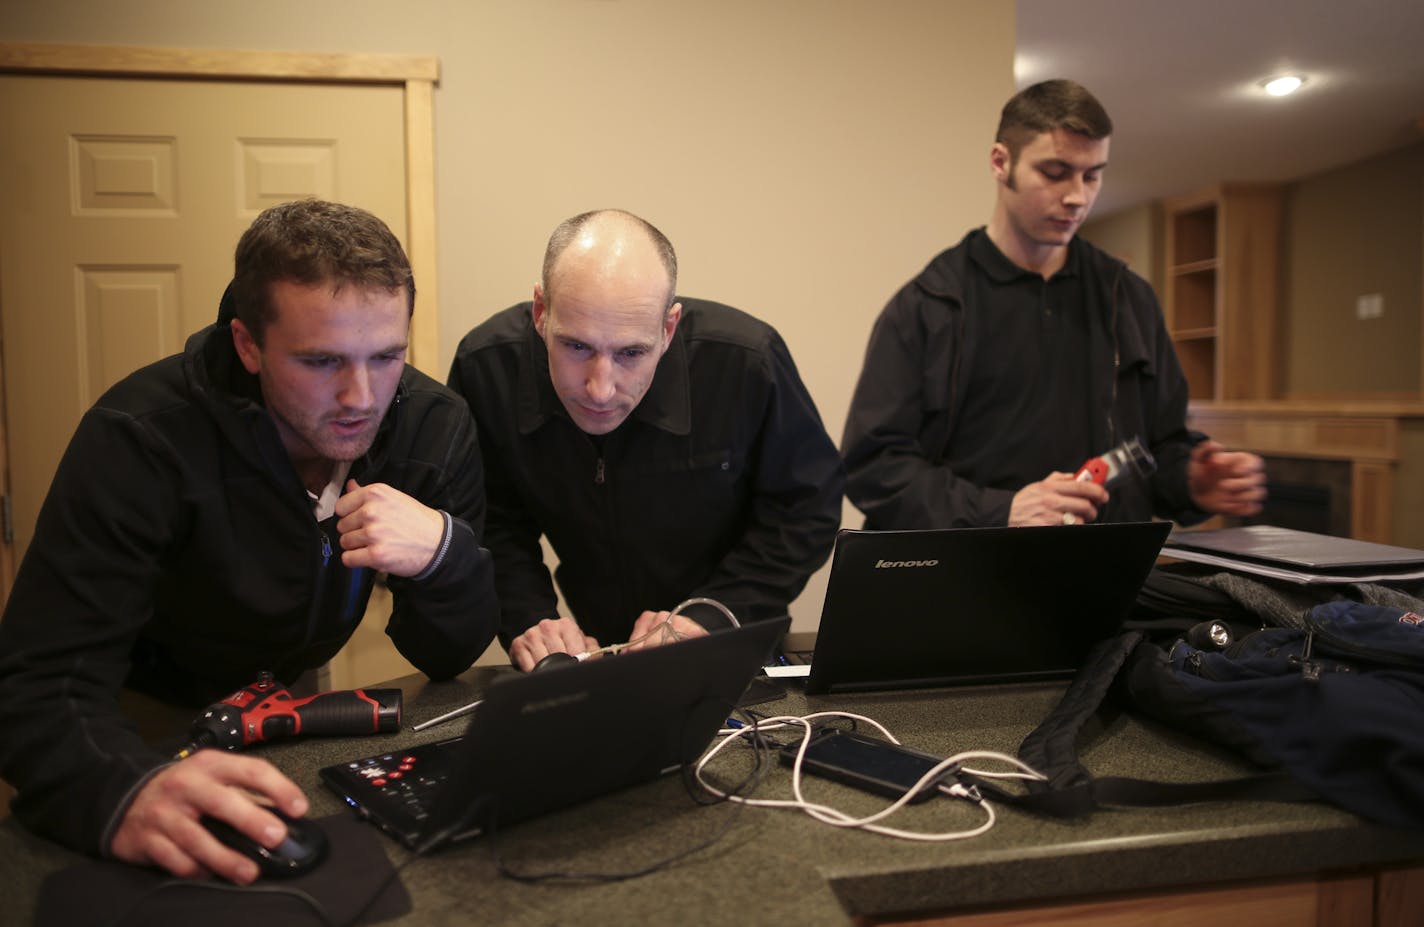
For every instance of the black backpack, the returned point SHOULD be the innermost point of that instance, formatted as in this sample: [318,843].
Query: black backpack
[1332,710]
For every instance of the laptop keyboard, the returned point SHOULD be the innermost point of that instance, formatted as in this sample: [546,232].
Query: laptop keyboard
[408,779]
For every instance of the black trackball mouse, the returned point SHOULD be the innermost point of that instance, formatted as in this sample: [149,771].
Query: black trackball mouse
[557,658]
[299,852]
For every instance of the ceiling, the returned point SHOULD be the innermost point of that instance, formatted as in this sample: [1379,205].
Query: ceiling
[1180,81]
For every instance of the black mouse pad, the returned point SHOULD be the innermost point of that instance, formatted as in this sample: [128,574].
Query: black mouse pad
[355,881]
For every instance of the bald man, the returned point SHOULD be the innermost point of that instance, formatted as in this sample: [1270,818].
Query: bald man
[666,448]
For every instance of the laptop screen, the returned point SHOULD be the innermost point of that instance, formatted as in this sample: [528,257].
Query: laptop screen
[541,741]
[975,605]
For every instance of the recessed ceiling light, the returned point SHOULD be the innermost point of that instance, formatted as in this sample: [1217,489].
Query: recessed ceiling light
[1284,85]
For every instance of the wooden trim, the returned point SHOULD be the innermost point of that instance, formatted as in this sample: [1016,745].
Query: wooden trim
[1387,898]
[1348,901]
[417,75]
[1328,437]
[424,350]
[217,63]
[1351,408]
[1372,501]
[7,546]
[1326,903]
[1399,897]
[1402,396]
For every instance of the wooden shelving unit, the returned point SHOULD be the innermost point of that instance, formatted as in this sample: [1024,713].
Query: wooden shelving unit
[1223,259]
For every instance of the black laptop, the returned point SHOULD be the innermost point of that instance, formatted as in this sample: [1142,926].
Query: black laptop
[540,741]
[975,605]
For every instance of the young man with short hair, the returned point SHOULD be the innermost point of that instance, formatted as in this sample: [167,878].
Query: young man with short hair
[224,512]
[1025,351]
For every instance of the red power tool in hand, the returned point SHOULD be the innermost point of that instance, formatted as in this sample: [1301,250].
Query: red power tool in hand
[266,710]
[1128,457]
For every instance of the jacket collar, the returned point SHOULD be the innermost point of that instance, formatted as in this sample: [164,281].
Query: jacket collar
[997,266]
[666,405]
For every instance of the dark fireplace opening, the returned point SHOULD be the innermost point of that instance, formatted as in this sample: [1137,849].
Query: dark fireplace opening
[1305,494]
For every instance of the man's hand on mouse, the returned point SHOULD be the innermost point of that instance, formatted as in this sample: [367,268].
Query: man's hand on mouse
[162,825]
[562,635]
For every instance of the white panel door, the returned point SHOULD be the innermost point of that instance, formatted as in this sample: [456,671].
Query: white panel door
[122,202]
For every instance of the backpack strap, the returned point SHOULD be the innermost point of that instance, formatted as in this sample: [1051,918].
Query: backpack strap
[1071,791]
[1052,747]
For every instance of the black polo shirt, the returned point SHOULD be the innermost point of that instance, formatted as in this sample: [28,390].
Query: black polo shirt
[1028,401]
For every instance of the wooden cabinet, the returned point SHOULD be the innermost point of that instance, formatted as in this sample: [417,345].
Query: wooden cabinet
[1382,441]
[1385,898]
[1223,266]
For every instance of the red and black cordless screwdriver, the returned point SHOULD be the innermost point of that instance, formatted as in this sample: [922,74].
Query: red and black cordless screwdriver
[266,710]
[1129,457]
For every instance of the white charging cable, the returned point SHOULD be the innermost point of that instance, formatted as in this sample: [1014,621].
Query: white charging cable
[837,818]
[663,626]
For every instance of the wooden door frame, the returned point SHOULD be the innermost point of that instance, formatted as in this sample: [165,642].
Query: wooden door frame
[417,75]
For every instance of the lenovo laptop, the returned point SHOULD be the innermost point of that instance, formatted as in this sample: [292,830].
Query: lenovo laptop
[540,741]
[975,605]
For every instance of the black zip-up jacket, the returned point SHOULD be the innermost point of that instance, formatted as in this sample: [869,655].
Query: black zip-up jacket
[722,482]
[177,554]
[912,386]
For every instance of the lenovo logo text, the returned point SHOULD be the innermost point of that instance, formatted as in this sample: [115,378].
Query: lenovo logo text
[901,564]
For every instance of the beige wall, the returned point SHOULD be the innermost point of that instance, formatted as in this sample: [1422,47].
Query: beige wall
[805,156]
[1133,235]
[1350,231]
[1355,230]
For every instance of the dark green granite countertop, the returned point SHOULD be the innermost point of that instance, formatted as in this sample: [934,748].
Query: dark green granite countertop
[782,867]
